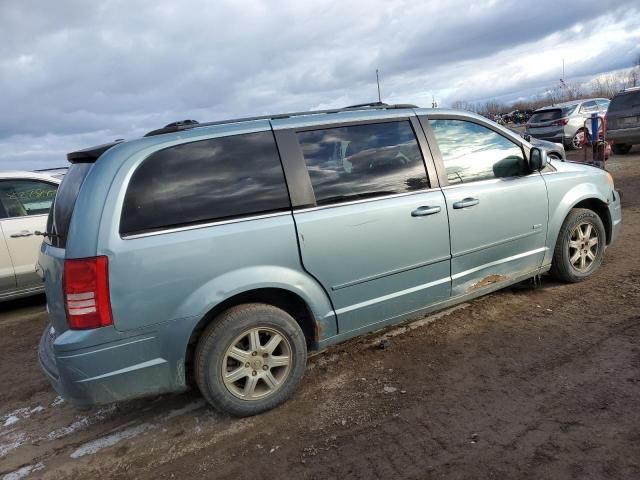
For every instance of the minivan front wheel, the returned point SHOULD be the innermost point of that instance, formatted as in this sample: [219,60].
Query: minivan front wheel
[580,247]
[250,359]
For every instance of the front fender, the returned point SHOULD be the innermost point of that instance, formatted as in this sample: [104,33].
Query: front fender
[242,280]
[561,201]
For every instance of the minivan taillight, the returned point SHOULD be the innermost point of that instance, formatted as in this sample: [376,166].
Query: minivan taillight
[86,292]
[559,123]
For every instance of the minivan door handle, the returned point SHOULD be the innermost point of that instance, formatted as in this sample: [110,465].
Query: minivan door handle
[21,233]
[424,211]
[466,202]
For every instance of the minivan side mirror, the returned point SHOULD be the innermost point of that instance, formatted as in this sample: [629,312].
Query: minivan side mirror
[537,159]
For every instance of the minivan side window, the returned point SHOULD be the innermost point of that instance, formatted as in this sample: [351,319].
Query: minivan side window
[21,198]
[204,181]
[473,152]
[363,161]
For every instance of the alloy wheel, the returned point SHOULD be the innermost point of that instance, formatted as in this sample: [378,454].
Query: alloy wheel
[577,140]
[257,363]
[583,246]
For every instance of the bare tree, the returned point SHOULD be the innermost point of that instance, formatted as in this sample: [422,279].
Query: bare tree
[464,105]
[605,86]
[634,74]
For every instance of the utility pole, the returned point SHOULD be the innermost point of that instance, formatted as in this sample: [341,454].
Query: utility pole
[378,82]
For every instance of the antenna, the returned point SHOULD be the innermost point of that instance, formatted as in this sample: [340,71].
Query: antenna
[378,82]
[563,69]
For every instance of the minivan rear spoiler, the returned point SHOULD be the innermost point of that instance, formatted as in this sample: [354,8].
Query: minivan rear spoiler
[91,154]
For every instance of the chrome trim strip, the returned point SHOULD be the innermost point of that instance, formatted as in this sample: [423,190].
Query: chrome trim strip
[499,242]
[365,200]
[132,368]
[389,273]
[490,181]
[400,293]
[498,262]
[205,225]
[107,348]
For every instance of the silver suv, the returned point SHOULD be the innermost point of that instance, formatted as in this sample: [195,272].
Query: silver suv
[220,254]
[564,122]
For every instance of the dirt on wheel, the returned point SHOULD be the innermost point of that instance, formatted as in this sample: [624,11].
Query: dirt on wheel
[525,383]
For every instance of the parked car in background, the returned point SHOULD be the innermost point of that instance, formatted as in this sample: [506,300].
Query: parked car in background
[623,120]
[564,122]
[57,172]
[555,151]
[224,252]
[25,199]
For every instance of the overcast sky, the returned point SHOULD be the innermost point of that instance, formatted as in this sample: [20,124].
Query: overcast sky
[74,73]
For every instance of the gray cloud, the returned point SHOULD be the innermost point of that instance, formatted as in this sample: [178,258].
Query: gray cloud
[74,73]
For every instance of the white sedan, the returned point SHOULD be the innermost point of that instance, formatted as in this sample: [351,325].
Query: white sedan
[25,199]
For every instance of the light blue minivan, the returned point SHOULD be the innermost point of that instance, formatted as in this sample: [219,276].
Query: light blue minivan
[220,254]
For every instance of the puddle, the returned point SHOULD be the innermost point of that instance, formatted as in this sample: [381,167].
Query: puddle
[96,445]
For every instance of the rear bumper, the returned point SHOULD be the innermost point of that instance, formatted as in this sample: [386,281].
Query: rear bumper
[91,367]
[628,136]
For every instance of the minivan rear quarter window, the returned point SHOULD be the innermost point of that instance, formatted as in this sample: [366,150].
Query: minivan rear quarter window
[363,161]
[64,203]
[205,181]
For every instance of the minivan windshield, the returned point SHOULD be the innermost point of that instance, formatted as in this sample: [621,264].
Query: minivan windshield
[63,204]
[625,101]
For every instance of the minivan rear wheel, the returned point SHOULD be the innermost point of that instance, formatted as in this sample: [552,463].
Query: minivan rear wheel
[250,359]
[621,148]
[580,246]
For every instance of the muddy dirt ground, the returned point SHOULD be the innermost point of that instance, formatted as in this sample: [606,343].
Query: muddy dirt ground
[522,384]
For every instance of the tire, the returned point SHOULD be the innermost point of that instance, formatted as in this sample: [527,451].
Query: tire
[574,143]
[571,243]
[621,148]
[236,327]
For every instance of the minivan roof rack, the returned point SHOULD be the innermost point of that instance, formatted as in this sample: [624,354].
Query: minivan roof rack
[189,124]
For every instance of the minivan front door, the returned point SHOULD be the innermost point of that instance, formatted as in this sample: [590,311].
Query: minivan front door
[498,210]
[377,235]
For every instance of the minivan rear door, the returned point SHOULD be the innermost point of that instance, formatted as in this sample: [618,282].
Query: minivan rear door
[372,224]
